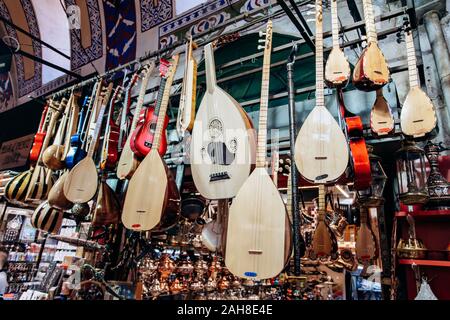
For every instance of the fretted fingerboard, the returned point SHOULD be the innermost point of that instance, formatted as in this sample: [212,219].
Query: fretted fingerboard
[334,23]
[369,18]
[412,61]
[321,202]
[320,101]
[264,102]
[165,103]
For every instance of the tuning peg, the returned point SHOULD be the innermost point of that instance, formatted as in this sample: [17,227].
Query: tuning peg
[288,161]
[261,47]
[262,33]
[261,40]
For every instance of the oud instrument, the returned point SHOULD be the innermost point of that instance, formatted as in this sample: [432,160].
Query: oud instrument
[128,162]
[371,71]
[186,110]
[381,117]
[321,151]
[158,208]
[142,137]
[337,68]
[259,240]
[418,116]
[81,183]
[223,142]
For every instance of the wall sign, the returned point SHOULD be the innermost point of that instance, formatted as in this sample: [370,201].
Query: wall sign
[14,153]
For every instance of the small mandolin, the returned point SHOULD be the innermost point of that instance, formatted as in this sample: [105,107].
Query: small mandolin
[381,118]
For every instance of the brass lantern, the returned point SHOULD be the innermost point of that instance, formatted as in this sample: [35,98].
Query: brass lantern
[438,187]
[373,196]
[411,174]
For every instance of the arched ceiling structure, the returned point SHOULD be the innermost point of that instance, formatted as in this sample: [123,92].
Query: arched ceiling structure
[97,35]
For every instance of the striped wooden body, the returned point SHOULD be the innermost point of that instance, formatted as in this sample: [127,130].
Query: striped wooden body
[16,189]
[47,219]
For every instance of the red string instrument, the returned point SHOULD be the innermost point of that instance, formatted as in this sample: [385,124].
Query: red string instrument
[39,138]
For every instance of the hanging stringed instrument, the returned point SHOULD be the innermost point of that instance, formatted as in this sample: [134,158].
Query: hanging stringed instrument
[77,151]
[371,71]
[128,162]
[324,243]
[142,137]
[381,117]
[223,142]
[159,207]
[321,151]
[41,180]
[53,155]
[259,235]
[111,137]
[81,183]
[39,136]
[365,245]
[418,116]
[362,175]
[337,68]
[186,110]
[125,115]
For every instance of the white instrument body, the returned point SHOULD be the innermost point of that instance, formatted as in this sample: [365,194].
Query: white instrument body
[418,116]
[321,149]
[256,229]
[258,235]
[220,121]
[143,205]
[81,183]
[148,189]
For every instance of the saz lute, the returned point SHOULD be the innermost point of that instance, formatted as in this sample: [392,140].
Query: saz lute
[418,116]
[222,146]
[259,240]
[381,118]
[152,199]
[365,245]
[128,162]
[337,68]
[321,151]
[186,111]
[81,183]
[371,71]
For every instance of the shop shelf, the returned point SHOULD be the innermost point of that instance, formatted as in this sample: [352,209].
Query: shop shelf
[430,263]
[424,213]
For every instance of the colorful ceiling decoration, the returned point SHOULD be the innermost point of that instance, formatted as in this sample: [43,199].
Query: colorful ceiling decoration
[29,73]
[155,12]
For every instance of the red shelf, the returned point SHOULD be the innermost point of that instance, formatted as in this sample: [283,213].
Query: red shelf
[424,213]
[431,263]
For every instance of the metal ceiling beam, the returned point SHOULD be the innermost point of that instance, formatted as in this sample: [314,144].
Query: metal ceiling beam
[297,24]
[300,16]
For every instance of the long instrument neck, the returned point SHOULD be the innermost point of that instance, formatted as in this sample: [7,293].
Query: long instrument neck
[319,56]
[264,102]
[370,21]
[412,62]
[141,97]
[335,23]
[210,68]
[164,104]
[321,202]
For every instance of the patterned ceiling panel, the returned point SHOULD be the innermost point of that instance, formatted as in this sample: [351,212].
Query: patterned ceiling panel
[31,81]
